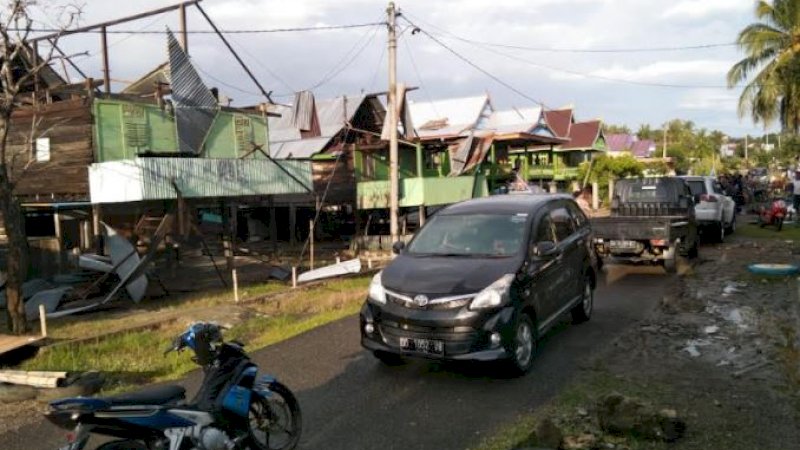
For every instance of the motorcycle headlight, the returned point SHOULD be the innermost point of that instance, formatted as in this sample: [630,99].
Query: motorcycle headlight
[376,291]
[496,294]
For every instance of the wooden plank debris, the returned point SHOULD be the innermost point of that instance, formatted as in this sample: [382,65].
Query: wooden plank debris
[9,343]
[35,379]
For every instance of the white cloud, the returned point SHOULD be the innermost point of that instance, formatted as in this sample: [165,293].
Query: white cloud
[710,100]
[696,9]
[665,71]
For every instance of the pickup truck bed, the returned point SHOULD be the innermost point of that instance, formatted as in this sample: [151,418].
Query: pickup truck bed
[635,228]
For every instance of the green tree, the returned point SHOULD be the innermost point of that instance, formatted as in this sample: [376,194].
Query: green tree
[771,66]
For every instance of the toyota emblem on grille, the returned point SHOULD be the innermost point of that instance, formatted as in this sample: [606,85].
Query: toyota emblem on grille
[420,300]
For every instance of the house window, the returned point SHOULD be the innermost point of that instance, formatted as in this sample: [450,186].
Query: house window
[244,134]
[135,130]
[42,149]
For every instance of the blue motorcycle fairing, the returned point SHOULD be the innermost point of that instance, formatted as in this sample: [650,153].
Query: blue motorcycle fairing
[80,403]
[161,420]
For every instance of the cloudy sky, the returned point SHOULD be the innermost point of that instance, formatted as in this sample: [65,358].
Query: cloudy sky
[549,53]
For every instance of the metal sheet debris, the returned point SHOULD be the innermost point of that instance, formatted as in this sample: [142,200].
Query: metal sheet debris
[50,298]
[97,263]
[195,106]
[126,260]
[343,268]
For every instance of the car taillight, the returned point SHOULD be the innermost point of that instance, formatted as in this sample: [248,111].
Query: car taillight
[708,198]
[658,242]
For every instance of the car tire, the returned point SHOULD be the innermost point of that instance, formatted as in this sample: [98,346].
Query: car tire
[732,226]
[719,232]
[523,345]
[389,359]
[582,312]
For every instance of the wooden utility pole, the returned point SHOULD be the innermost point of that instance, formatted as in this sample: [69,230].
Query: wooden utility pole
[106,70]
[394,186]
[184,34]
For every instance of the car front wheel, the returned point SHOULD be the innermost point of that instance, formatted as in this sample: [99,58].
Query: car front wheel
[523,345]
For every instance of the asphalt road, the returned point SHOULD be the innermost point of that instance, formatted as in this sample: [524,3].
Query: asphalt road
[350,401]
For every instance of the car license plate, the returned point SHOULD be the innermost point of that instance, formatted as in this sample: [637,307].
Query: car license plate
[429,346]
[623,244]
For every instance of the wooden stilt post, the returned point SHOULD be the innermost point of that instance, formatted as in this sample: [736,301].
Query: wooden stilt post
[106,70]
[273,224]
[235,286]
[43,320]
[294,276]
[311,242]
[292,224]
[595,195]
[96,231]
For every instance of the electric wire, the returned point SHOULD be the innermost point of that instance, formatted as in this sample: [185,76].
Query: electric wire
[232,31]
[419,77]
[340,67]
[474,65]
[443,31]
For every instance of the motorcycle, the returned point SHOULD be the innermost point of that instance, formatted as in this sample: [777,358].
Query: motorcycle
[775,214]
[234,409]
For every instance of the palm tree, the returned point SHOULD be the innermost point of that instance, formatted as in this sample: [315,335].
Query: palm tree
[771,65]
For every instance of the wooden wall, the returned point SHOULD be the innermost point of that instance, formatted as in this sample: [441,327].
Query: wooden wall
[68,125]
[343,183]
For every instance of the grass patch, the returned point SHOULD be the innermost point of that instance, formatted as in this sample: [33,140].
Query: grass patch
[135,358]
[790,232]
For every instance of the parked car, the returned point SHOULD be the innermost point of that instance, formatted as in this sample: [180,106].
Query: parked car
[481,281]
[651,220]
[714,211]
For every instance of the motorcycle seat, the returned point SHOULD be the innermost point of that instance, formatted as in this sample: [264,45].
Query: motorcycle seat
[159,395]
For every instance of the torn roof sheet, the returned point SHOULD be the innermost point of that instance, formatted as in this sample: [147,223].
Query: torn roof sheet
[450,117]
[195,106]
[286,140]
[520,121]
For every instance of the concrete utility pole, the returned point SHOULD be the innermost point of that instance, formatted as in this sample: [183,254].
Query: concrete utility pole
[394,187]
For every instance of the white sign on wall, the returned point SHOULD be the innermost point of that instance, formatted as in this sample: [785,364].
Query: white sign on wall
[42,149]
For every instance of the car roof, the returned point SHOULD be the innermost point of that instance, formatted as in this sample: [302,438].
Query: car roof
[502,204]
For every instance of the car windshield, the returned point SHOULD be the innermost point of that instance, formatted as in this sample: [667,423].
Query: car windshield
[479,235]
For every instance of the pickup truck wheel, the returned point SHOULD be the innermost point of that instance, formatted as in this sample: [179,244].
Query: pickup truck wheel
[583,310]
[719,232]
[732,226]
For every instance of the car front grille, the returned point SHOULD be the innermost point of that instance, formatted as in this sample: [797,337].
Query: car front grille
[434,302]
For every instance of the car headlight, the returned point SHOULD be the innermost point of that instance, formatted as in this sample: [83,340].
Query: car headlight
[376,291]
[497,294]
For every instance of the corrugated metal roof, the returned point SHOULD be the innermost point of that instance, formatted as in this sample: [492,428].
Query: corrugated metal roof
[583,136]
[195,107]
[146,85]
[151,178]
[619,142]
[450,117]
[333,114]
[560,121]
[643,148]
[300,148]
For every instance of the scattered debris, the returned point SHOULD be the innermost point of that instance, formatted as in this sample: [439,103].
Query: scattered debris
[692,350]
[548,434]
[711,329]
[35,379]
[343,268]
[280,273]
[51,299]
[621,415]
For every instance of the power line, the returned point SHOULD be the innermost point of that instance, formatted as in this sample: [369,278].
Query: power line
[339,67]
[255,31]
[474,65]
[419,77]
[264,66]
[445,32]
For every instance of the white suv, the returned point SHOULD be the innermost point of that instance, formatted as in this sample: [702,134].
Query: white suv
[713,210]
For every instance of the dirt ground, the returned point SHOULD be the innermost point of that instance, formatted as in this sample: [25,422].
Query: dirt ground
[721,351]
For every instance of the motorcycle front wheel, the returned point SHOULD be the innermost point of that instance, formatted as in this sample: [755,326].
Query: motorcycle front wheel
[275,422]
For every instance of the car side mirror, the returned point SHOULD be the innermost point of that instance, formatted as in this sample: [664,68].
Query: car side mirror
[398,247]
[545,250]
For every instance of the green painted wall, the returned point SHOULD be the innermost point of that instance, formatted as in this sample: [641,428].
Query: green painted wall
[124,129]
[422,191]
